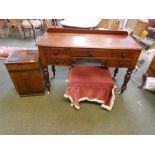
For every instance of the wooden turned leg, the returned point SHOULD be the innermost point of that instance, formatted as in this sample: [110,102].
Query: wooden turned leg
[53,70]
[115,72]
[72,63]
[29,31]
[46,73]
[8,31]
[143,80]
[24,33]
[126,80]
[2,34]
[34,33]
[21,30]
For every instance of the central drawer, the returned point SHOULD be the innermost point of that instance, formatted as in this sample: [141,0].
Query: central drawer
[100,53]
[90,53]
[79,52]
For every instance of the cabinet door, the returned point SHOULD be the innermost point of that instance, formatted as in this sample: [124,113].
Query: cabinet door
[27,82]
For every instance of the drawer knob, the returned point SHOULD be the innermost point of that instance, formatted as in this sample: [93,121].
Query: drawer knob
[25,78]
[56,61]
[90,53]
[121,64]
[123,55]
[56,52]
[73,60]
[19,64]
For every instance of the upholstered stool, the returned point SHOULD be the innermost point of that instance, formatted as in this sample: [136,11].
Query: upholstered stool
[91,83]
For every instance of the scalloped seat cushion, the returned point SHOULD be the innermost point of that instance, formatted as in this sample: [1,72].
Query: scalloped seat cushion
[92,83]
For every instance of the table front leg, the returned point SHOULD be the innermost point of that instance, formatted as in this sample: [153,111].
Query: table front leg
[46,73]
[115,72]
[126,79]
[53,70]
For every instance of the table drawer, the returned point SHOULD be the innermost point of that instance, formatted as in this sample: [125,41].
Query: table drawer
[119,63]
[90,53]
[58,60]
[80,52]
[121,54]
[56,51]
[23,66]
[100,53]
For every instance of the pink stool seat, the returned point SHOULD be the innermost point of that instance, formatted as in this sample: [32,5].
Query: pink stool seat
[92,83]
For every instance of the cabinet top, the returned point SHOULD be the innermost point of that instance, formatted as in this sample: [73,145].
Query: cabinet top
[22,56]
[80,38]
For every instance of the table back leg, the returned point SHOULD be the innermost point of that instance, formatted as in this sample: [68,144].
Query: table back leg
[46,73]
[126,80]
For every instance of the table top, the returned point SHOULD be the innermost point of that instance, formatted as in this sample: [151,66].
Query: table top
[80,23]
[22,56]
[88,39]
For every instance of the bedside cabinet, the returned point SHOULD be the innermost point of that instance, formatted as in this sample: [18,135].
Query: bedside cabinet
[150,72]
[26,72]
